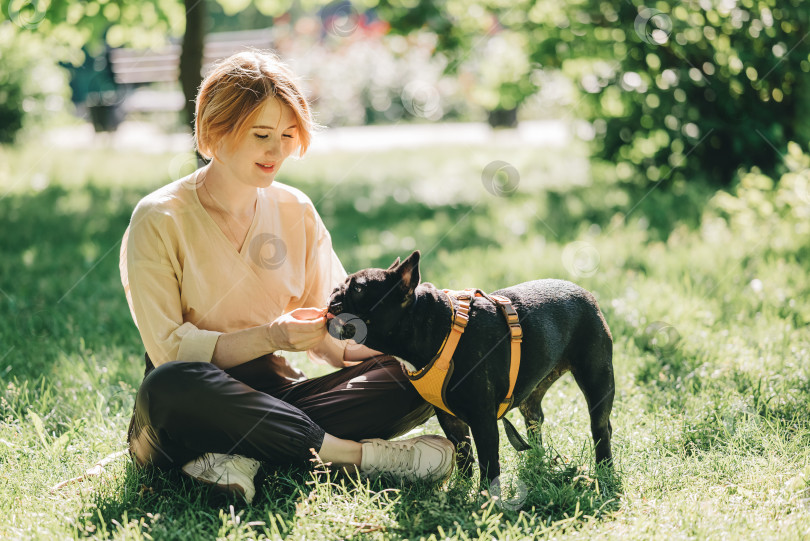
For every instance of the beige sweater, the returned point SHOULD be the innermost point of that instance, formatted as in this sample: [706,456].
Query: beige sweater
[186,283]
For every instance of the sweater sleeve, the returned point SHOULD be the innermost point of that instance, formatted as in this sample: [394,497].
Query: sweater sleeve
[151,275]
[324,272]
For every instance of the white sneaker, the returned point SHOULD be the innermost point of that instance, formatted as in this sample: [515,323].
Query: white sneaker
[230,473]
[430,458]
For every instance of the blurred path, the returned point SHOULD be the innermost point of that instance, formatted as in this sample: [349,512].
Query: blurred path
[146,137]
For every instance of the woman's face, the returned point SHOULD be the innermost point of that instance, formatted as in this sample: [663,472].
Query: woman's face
[255,158]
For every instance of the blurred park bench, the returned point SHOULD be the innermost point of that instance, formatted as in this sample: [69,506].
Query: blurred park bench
[147,81]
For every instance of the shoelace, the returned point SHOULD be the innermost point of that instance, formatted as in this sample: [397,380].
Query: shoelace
[395,457]
[208,461]
[226,461]
[243,464]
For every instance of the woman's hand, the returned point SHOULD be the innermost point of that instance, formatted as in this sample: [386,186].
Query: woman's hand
[299,330]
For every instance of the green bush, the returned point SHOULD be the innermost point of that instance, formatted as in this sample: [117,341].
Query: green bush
[32,86]
[679,92]
[760,212]
[675,91]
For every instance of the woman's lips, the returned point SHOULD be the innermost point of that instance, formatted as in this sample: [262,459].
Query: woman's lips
[268,169]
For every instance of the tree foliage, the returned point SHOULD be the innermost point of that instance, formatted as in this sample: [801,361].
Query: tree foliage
[672,89]
[687,90]
[68,29]
[31,89]
[487,37]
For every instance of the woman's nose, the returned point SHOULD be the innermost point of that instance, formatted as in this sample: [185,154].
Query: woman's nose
[272,147]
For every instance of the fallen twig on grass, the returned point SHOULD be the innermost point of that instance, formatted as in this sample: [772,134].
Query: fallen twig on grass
[96,470]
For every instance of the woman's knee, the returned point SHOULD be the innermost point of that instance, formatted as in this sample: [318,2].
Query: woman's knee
[388,368]
[173,378]
[141,453]
[170,389]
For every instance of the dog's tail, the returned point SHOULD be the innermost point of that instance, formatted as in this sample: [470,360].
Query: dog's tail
[514,436]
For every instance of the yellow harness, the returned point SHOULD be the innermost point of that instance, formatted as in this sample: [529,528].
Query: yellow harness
[431,381]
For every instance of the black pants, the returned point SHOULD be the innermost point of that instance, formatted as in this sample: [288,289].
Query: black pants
[185,409]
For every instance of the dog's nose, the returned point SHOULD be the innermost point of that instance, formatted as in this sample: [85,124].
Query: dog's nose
[336,328]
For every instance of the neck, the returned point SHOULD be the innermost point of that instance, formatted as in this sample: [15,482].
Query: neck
[430,317]
[227,194]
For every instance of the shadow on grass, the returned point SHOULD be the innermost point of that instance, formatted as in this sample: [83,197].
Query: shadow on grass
[556,495]
[169,505]
[60,282]
[62,294]
[547,495]
[566,487]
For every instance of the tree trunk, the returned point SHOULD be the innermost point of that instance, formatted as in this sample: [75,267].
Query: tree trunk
[191,54]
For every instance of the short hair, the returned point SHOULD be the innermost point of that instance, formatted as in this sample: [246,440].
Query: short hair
[232,93]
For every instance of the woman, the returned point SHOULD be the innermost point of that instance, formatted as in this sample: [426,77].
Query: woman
[224,268]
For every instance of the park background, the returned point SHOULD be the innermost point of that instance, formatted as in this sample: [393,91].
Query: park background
[656,154]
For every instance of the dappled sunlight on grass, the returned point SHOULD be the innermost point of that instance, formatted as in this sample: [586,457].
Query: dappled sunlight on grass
[712,413]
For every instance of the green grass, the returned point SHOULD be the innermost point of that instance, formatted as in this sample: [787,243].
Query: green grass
[708,299]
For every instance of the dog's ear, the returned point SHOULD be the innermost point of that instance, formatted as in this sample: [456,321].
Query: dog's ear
[409,272]
[394,265]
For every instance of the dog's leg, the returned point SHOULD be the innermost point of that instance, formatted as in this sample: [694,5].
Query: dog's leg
[532,407]
[458,432]
[485,434]
[595,381]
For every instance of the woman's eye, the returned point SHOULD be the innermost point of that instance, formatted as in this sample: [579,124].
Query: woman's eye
[290,136]
[261,136]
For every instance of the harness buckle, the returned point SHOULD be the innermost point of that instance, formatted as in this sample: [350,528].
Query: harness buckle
[506,307]
[516,331]
[510,313]
[461,319]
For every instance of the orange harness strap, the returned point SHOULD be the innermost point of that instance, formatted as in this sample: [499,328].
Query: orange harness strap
[431,381]
[516,337]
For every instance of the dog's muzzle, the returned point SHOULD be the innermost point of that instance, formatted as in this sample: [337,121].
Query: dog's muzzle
[342,326]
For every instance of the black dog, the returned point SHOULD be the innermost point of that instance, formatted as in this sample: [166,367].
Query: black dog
[563,330]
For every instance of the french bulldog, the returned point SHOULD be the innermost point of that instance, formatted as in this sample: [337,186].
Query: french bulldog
[563,330]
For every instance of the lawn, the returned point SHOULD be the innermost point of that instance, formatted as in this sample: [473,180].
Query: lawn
[707,296]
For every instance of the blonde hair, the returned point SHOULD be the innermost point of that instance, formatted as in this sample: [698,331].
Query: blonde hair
[231,96]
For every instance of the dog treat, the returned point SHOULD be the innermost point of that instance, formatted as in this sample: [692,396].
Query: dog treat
[321,313]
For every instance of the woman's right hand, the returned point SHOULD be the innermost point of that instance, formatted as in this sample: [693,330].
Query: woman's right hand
[299,330]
